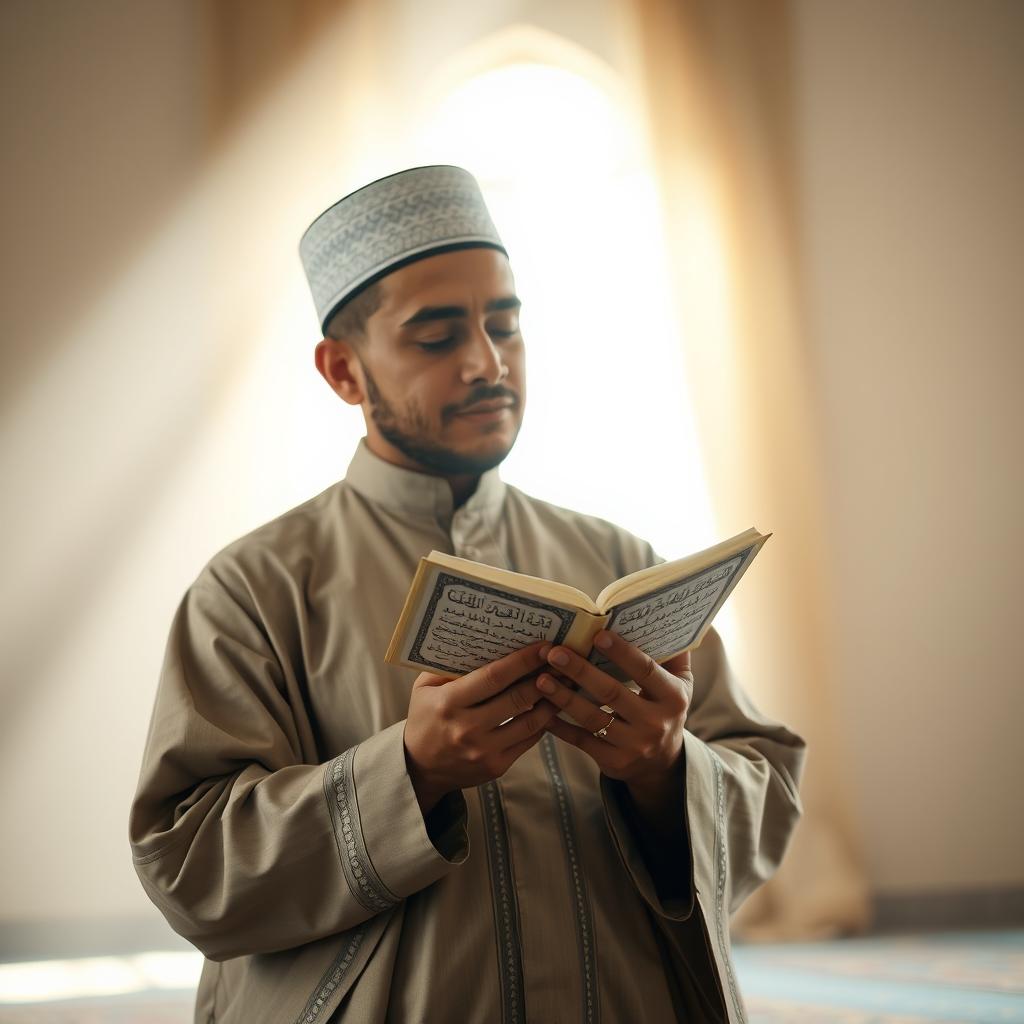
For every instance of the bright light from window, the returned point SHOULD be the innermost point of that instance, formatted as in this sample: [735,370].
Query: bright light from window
[608,428]
[530,126]
[49,980]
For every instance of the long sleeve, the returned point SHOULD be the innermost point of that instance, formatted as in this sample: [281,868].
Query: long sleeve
[740,800]
[242,843]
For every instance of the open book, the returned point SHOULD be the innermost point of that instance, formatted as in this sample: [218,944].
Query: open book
[461,614]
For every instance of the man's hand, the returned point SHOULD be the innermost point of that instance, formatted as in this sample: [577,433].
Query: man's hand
[458,732]
[642,745]
[644,741]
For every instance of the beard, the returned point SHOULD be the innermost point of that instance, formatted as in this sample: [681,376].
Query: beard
[409,431]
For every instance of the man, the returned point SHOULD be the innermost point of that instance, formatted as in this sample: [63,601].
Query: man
[346,842]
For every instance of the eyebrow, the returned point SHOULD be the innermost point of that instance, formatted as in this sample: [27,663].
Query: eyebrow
[429,313]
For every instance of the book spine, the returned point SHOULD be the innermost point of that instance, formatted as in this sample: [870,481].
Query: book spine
[395,652]
[585,627]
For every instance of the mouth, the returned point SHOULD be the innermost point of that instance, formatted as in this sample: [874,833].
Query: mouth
[490,408]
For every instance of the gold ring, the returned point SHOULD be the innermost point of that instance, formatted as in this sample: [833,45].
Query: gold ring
[603,732]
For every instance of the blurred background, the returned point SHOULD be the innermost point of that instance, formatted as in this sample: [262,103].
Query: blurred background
[771,255]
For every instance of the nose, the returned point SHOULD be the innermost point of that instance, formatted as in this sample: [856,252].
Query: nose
[483,362]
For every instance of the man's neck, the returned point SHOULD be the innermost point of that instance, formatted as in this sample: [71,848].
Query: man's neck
[463,487]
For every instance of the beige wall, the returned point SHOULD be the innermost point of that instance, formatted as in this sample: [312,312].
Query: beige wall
[104,377]
[910,152]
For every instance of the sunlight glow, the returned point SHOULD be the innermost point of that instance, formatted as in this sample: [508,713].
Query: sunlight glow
[608,428]
[48,980]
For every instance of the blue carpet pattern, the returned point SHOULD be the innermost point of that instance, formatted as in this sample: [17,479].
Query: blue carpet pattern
[954,978]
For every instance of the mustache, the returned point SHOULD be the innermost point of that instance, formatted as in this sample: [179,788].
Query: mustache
[482,393]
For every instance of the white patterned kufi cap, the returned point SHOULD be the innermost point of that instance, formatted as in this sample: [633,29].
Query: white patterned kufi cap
[388,223]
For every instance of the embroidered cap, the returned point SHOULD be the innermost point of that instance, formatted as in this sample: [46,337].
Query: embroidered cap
[388,223]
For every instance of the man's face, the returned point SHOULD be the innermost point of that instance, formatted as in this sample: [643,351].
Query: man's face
[443,364]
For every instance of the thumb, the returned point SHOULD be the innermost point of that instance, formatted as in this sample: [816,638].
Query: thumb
[429,679]
[679,665]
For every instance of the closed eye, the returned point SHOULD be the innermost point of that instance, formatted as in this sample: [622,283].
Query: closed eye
[435,346]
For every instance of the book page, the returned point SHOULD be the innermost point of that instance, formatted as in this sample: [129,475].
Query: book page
[643,581]
[673,618]
[464,624]
[560,594]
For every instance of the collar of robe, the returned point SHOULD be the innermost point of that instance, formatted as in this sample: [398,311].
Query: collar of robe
[419,495]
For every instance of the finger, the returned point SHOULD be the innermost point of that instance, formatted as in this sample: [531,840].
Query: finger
[515,700]
[524,726]
[490,679]
[679,665]
[430,679]
[515,752]
[602,752]
[598,684]
[654,680]
[590,717]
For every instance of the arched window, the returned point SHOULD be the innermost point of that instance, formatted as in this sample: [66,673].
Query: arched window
[546,130]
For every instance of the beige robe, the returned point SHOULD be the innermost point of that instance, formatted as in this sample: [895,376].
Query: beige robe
[276,828]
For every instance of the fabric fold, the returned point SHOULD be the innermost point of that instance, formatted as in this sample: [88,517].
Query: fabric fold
[231,834]
[391,840]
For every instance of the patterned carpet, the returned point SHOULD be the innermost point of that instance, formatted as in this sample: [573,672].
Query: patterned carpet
[955,978]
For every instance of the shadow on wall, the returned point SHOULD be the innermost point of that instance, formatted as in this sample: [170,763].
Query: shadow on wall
[112,111]
[116,111]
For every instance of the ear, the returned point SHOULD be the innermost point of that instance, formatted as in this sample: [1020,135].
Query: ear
[338,365]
